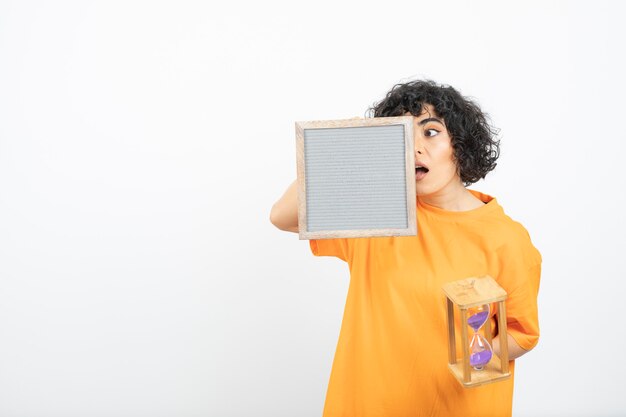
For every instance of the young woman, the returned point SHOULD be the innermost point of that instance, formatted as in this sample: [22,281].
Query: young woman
[391,358]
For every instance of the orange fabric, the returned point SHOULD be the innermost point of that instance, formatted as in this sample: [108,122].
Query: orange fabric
[391,358]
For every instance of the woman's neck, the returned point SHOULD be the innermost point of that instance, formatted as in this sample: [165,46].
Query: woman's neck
[454,198]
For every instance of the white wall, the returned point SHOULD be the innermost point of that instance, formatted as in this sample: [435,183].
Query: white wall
[143,143]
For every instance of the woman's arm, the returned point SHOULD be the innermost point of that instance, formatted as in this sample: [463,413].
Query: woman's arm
[284,214]
[515,351]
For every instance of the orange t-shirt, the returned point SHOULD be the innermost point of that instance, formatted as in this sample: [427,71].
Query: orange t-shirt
[392,358]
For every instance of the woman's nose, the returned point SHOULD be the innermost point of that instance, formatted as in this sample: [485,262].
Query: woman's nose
[418,145]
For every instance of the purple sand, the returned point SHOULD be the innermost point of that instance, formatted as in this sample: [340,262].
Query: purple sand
[480,358]
[476,320]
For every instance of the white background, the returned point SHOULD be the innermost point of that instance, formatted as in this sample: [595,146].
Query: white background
[143,143]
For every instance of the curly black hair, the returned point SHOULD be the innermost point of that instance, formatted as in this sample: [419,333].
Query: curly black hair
[474,141]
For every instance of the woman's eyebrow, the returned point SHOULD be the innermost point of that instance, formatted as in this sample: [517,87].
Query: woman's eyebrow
[430,119]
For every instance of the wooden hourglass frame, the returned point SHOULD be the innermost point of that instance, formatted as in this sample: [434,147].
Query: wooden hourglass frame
[465,294]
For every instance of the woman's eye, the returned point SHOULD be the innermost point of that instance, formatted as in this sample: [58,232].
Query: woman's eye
[431,132]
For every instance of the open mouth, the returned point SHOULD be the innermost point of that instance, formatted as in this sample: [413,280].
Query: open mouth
[420,172]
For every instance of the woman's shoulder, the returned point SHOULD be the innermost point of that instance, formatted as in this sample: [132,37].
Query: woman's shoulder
[514,240]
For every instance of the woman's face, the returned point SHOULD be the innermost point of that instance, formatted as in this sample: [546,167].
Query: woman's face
[435,168]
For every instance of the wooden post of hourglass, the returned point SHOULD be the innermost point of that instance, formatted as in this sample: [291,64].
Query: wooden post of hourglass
[467,293]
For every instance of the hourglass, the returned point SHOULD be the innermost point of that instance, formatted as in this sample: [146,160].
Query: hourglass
[474,297]
[480,348]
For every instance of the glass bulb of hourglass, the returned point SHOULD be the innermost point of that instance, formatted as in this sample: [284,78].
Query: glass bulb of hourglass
[480,350]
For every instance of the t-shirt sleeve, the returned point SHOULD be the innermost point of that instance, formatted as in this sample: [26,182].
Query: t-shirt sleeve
[521,306]
[339,247]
